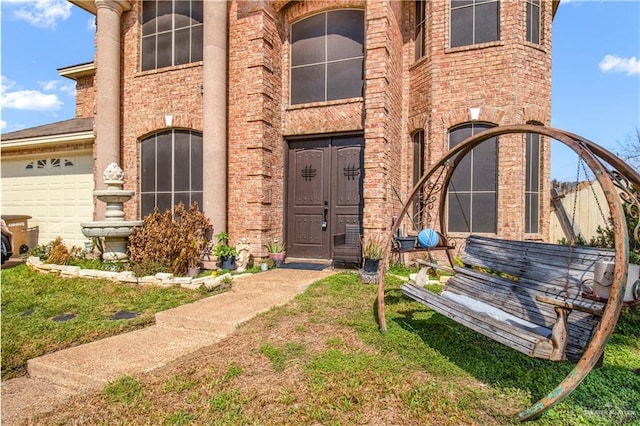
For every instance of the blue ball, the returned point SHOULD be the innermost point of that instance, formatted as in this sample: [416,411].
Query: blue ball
[428,238]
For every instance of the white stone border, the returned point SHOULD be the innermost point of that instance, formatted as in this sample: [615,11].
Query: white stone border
[159,279]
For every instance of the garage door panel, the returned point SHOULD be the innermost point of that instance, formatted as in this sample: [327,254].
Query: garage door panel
[58,199]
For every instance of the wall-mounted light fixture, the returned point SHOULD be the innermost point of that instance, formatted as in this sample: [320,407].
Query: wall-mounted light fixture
[168,120]
[474,114]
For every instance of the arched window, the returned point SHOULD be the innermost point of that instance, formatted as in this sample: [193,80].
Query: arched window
[472,192]
[171,170]
[327,57]
[171,33]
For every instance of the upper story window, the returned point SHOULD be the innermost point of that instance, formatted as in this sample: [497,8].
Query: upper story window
[533,21]
[171,33]
[171,170]
[474,22]
[421,28]
[327,57]
[473,187]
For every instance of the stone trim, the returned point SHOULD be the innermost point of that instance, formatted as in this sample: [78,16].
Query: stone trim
[160,279]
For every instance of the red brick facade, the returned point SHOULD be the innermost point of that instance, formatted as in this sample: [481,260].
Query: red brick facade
[509,80]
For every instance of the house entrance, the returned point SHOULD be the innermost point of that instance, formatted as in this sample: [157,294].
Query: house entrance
[324,192]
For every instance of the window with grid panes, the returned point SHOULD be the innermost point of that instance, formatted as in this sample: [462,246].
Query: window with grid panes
[171,170]
[171,33]
[421,28]
[532,183]
[474,22]
[418,171]
[327,56]
[472,192]
[533,21]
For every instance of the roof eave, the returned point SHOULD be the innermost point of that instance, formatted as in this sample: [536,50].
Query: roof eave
[44,141]
[88,5]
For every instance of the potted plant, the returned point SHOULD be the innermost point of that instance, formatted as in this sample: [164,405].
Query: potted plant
[225,253]
[372,251]
[277,250]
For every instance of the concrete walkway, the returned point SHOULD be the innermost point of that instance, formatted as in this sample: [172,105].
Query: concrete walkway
[55,377]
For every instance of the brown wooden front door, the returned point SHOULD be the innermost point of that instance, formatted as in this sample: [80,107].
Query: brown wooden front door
[324,192]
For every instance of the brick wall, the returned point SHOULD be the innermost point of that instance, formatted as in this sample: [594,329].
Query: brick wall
[85,97]
[147,96]
[509,80]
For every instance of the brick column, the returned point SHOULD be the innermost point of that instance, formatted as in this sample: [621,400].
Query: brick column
[108,68]
[214,105]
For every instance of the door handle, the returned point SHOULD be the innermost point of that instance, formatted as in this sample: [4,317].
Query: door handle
[325,214]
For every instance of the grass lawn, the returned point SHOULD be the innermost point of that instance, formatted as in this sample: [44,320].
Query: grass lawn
[31,300]
[321,360]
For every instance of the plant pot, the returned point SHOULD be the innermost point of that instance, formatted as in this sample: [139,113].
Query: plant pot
[193,271]
[278,258]
[406,243]
[228,263]
[371,265]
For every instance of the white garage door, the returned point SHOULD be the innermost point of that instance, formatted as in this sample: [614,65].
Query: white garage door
[56,191]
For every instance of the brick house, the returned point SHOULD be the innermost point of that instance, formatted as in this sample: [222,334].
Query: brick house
[293,118]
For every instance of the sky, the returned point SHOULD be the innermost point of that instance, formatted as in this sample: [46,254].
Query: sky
[595,69]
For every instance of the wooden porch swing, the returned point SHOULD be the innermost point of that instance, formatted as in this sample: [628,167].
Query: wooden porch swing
[528,295]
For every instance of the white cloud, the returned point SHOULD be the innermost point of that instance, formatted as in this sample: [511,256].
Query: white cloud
[31,100]
[614,63]
[42,13]
[91,24]
[3,124]
[58,85]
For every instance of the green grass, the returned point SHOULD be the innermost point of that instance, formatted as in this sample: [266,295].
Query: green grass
[321,360]
[30,300]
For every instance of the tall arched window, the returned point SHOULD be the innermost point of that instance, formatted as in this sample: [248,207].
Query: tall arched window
[327,56]
[171,33]
[171,170]
[472,192]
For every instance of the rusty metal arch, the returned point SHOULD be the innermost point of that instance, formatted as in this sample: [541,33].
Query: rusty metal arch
[595,157]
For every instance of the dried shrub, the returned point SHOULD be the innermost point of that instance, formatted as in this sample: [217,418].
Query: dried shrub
[59,254]
[174,242]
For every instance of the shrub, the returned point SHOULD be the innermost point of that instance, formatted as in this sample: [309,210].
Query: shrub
[172,241]
[59,253]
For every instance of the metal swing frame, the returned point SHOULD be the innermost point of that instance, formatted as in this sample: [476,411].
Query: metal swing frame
[615,177]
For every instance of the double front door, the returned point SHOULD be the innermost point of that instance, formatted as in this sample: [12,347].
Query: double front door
[324,192]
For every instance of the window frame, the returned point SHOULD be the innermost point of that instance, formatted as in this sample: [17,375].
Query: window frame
[420,29]
[326,62]
[473,5]
[196,178]
[532,185]
[195,39]
[472,192]
[419,148]
[531,31]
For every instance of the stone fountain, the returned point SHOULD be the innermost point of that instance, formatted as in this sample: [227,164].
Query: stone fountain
[114,229]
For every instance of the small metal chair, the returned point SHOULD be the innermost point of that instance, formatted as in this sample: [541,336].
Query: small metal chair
[347,247]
